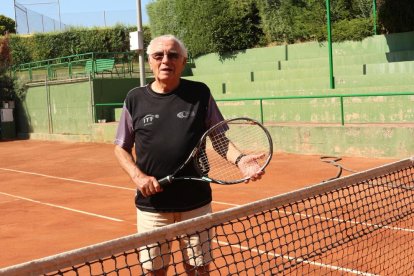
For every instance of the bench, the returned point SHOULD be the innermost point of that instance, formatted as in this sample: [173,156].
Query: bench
[100,66]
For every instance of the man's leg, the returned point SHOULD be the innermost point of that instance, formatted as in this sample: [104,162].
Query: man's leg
[154,257]
[196,248]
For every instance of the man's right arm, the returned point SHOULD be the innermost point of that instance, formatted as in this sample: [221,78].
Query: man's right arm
[124,143]
[147,185]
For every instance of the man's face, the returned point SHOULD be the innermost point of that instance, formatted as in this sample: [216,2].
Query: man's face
[166,61]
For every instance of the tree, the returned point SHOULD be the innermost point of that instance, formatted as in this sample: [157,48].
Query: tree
[7,25]
[6,83]
[396,16]
[207,26]
[237,27]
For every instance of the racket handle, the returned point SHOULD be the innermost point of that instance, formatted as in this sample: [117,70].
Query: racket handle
[165,181]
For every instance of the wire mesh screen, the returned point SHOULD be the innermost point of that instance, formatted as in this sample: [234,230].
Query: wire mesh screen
[29,21]
[42,17]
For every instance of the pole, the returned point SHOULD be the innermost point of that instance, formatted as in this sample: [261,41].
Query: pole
[141,45]
[15,17]
[27,20]
[374,15]
[328,19]
[60,18]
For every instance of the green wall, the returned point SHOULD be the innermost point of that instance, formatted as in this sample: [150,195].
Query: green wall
[59,108]
[36,117]
[382,61]
[71,109]
[356,110]
[67,108]
[362,140]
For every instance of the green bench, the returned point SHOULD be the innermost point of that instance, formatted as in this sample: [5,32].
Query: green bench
[102,66]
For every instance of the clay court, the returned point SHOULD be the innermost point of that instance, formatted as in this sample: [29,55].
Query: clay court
[58,196]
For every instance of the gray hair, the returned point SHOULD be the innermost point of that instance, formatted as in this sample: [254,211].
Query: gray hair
[183,49]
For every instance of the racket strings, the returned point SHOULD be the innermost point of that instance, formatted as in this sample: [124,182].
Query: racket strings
[213,158]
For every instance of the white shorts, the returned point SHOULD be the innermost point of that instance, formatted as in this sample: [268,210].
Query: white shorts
[195,248]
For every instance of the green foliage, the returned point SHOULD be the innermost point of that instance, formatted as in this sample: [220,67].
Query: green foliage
[19,89]
[195,24]
[208,26]
[277,19]
[163,15]
[361,8]
[355,29]
[41,46]
[189,20]
[7,25]
[6,87]
[288,21]
[77,41]
[238,27]
[21,49]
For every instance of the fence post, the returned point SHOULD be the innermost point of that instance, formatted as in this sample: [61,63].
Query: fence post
[329,28]
[49,107]
[93,106]
[374,15]
[261,111]
[342,111]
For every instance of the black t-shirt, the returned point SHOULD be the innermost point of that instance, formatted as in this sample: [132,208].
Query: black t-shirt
[165,128]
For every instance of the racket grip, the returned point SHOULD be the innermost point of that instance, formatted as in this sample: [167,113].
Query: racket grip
[165,181]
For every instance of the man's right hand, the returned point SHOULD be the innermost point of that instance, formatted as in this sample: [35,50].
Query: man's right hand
[147,185]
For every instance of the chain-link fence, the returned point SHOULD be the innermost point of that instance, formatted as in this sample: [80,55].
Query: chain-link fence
[29,21]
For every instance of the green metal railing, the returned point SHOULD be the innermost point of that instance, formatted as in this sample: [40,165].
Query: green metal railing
[74,66]
[341,98]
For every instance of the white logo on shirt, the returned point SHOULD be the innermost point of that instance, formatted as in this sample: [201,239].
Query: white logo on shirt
[148,119]
[186,114]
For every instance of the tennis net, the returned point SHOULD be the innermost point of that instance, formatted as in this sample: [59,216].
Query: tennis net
[359,224]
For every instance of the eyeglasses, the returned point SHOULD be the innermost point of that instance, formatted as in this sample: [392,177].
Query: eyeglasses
[158,56]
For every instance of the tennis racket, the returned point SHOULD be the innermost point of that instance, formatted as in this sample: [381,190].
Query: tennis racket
[230,152]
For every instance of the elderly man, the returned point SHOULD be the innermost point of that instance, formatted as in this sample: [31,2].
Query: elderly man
[164,120]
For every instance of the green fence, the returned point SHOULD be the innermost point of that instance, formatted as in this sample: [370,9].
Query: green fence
[112,64]
[390,107]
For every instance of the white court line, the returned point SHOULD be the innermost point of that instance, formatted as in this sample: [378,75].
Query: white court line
[376,226]
[91,183]
[68,179]
[333,267]
[62,207]
[225,203]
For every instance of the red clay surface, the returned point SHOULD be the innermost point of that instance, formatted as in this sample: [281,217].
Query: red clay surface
[58,196]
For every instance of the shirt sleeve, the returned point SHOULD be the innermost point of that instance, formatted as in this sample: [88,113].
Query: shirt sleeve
[125,135]
[214,115]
